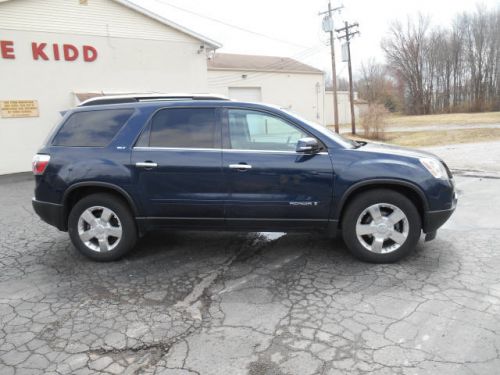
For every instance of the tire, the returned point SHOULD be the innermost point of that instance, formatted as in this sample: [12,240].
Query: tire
[108,234]
[375,238]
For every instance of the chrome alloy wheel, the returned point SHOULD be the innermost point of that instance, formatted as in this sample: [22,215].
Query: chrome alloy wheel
[99,229]
[382,228]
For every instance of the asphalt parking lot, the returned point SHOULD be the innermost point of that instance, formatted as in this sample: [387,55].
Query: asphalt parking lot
[229,303]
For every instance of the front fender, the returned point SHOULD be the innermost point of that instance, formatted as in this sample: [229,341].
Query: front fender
[378,182]
[354,170]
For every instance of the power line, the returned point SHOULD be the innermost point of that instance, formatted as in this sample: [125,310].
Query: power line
[308,51]
[250,77]
[229,78]
[301,54]
[262,35]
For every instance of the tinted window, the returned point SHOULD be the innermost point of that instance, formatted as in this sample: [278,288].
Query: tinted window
[252,130]
[92,128]
[183,127]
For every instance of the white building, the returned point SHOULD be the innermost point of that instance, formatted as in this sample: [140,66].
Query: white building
[54,52]
[344,107]
[57,53]
[282,81]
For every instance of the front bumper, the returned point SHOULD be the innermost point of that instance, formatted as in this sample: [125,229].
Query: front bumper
[51,213]
[433,220]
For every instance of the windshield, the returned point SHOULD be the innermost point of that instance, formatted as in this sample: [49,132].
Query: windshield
[348,143]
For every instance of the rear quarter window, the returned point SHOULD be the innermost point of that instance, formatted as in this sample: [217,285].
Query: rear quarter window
[91,128]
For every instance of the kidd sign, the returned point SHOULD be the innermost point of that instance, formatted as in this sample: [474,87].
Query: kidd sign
[54,51]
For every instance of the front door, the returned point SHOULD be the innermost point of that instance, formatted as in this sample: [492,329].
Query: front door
[270,184]
[178,170]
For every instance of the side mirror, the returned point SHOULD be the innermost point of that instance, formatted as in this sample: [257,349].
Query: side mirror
[307,145]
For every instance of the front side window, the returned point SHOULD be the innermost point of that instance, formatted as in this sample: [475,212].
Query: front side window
[91,128]
[182,128]
[252,130]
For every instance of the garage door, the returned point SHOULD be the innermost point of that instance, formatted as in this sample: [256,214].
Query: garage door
[246,94]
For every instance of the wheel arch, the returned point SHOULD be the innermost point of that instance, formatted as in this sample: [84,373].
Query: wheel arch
[408,189]
[82,189]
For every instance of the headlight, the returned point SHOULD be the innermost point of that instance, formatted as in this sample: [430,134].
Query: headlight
[435,168]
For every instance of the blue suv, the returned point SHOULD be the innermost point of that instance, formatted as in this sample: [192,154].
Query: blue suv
[118,167]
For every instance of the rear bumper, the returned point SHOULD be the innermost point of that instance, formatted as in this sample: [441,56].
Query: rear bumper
[51,213]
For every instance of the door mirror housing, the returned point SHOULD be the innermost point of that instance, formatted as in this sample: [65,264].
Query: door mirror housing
[307,145]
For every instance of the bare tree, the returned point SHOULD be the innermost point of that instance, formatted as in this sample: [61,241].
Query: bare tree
[405,49]
[447,69]
[376,86]
[342,83]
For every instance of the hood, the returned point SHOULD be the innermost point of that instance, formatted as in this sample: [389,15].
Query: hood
[383,148]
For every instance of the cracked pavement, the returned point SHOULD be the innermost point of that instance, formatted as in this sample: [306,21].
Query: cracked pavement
[231,303]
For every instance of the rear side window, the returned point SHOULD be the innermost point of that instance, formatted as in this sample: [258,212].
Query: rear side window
[92,128]
[182,128]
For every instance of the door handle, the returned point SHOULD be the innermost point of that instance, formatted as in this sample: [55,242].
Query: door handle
[146,165]
[240,167]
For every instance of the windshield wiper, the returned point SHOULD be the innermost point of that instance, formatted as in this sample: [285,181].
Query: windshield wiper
[358,144]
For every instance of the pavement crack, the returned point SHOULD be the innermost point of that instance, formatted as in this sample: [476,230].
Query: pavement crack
[198,300]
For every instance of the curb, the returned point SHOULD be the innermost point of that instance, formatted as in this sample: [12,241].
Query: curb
[16,177]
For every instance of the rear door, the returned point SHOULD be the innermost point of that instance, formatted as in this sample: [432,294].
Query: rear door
[270,184]
[178,168]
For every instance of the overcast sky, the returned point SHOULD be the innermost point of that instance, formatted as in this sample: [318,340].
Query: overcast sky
[294,26]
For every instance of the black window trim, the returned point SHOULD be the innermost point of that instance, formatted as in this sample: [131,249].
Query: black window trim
[70,114]
[147,128]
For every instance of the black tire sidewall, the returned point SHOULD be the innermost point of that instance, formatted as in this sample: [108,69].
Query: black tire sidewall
[363,201]
[129,231]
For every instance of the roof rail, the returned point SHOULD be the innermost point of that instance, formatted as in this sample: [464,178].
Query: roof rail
[119,99]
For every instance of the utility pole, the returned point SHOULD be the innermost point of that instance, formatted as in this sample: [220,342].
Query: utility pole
[328,27]
[348,35]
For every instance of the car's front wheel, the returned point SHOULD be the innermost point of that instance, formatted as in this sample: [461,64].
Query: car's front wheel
[101,227]
[381,226]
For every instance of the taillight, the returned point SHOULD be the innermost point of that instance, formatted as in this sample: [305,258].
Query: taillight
[40,163]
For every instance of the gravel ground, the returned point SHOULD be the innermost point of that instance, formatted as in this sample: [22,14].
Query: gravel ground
[480,158]
[229,303]
[430,127]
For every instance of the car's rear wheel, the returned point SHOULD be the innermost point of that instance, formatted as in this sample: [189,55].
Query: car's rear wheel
[381,226]
[101,227]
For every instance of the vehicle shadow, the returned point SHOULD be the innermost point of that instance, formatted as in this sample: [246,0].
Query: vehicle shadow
[165,266]
[200,244]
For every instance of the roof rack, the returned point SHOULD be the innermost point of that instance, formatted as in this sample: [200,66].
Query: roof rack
[119,99]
